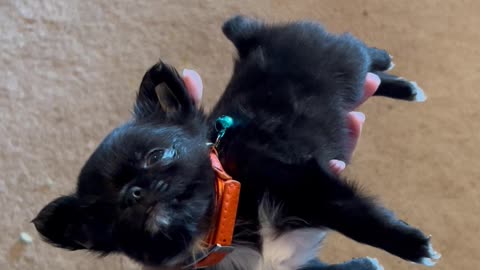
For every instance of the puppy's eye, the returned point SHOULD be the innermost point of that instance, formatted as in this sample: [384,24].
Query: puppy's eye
[158,155]
[154,157]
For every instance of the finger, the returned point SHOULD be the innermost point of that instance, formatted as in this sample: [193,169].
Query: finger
[337,166]
[355,122]
[371,85]
[194,85]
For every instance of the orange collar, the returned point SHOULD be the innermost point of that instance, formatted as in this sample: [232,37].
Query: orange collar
[219,238]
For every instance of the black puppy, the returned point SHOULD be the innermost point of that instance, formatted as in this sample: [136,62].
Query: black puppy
[148,189]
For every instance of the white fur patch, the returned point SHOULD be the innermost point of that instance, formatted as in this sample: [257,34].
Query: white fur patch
[391,66]
[376,264]
[285,251]
[242,257]
[290,250]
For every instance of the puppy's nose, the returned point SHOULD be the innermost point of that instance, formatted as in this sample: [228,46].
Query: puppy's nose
[135,195]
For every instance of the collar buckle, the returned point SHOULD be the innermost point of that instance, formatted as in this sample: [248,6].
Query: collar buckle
[220,237]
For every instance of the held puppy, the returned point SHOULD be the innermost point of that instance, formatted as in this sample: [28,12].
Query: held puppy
[148,190]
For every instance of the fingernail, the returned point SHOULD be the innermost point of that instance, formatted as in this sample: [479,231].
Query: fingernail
[373,77]
[186,72]
[337,166]
[359,115]
[194,76]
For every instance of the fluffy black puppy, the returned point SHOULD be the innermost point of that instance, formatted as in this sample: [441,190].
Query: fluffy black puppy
[148,189]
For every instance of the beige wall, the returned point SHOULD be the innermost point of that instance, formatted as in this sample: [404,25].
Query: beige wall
[69,70]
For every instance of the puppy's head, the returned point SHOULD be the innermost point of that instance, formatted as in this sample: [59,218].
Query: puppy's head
[148,188]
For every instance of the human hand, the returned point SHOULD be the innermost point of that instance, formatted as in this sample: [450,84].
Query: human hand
[355,122]
[355,119]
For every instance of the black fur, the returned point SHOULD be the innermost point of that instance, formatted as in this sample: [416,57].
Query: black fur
[100,215]
[289,95]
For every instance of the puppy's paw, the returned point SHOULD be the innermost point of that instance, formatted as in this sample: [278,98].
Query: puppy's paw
[430,256]
[374,264]
[240,28]
[419,249]
[391,66]
[407,90]
[418,94]
[411,244]
[381,60]
[366,263]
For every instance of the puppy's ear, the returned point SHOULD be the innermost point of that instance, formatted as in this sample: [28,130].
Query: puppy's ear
[60,223]
[162,90]
[243,32]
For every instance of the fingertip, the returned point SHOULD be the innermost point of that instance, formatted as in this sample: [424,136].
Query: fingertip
[359,116]
[373,79]
[194,76]
[194,84]
[372,82]
[337,166]
[355,124]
